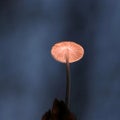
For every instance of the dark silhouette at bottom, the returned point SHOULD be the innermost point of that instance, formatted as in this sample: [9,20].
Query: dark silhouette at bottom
[59,111]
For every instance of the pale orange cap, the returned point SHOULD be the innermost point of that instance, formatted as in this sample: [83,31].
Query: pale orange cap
[67,49]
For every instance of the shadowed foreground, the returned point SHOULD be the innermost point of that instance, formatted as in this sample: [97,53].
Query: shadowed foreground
[59,111]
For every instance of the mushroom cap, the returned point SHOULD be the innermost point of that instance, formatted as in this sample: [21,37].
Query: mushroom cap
[67,50]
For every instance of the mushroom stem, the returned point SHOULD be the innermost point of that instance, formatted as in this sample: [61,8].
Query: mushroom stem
[68,82]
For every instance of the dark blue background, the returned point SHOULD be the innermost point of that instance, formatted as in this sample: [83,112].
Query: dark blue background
[30,78]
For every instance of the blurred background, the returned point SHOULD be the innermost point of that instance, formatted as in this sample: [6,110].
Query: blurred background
[30,79]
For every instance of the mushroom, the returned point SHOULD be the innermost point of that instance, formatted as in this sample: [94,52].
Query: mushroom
[67,52]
